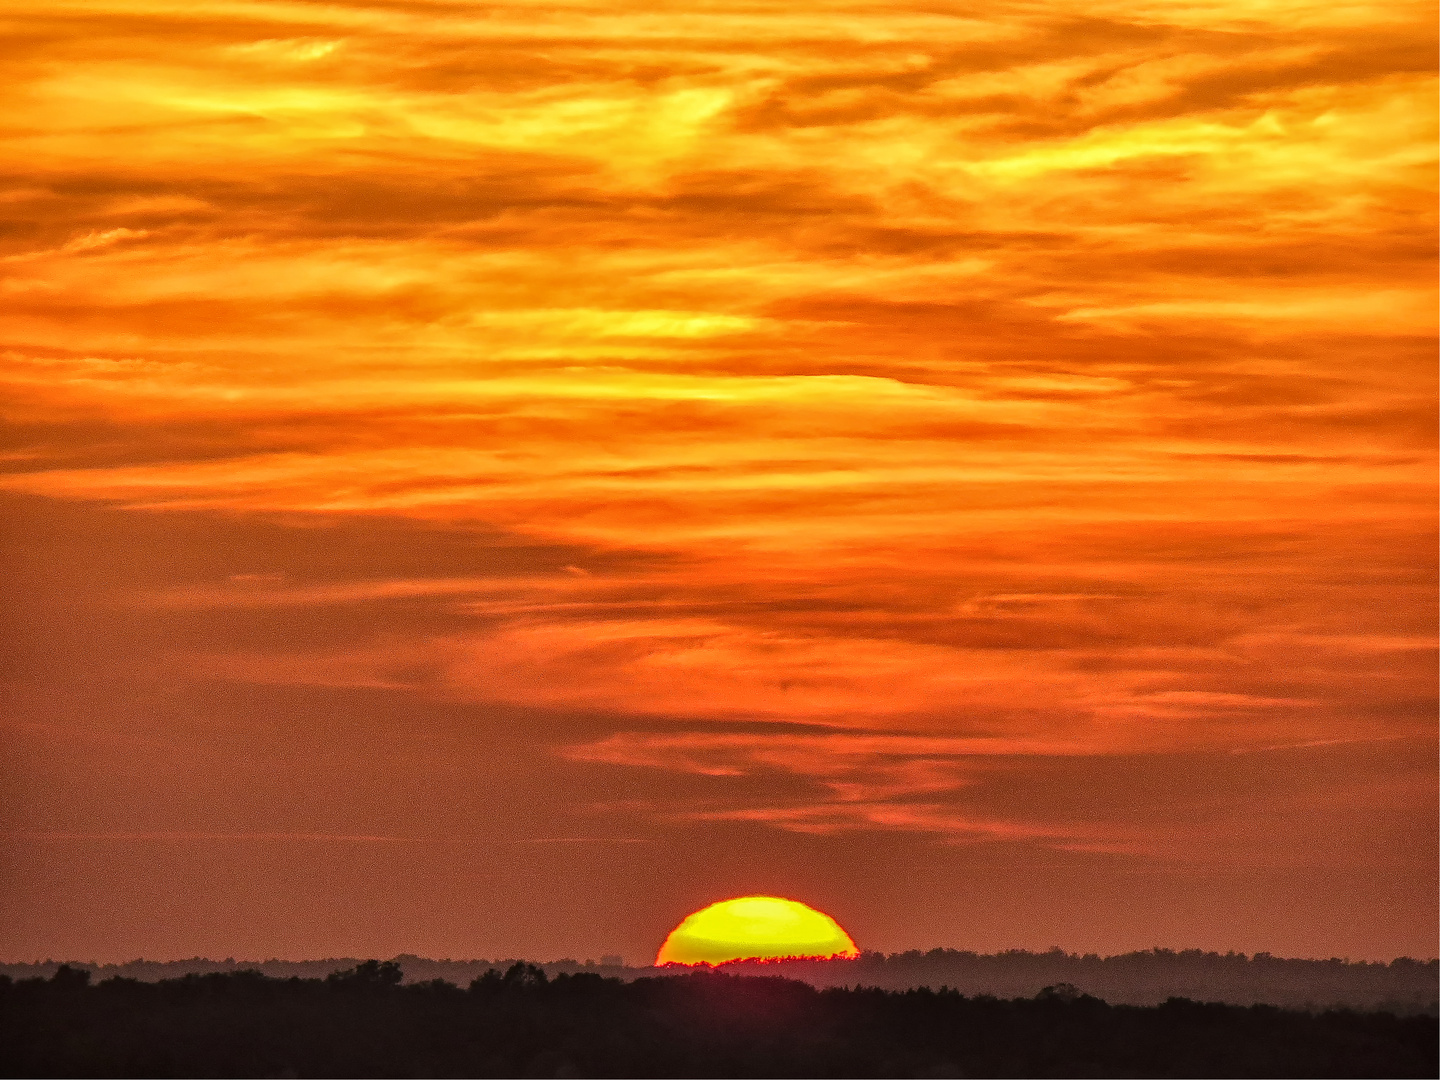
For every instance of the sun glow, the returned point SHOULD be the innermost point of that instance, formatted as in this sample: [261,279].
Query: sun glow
[754,927]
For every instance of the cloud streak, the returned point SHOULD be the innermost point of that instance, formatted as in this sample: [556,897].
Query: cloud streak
[1024,382]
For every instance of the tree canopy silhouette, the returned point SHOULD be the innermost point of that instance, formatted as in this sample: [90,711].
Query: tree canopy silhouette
[366,1022]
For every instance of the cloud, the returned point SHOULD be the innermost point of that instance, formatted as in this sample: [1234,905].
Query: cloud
[1051,379]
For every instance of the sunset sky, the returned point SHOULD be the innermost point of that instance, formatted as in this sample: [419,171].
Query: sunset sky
[490,479]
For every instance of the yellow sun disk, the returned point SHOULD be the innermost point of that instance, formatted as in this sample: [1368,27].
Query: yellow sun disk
[754,927]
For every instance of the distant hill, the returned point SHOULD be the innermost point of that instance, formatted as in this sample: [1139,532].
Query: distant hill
[1403,986]
[1138,978]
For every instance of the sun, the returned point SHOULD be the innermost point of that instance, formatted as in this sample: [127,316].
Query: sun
[754,927]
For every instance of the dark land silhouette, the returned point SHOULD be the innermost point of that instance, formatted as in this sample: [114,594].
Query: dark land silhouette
[1402,986]
[366,1021]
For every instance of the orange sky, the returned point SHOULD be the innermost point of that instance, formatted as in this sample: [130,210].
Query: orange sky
[491,479]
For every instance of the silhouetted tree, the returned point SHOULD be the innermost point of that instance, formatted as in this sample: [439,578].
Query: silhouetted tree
[525,975]
[372,974]
[69,978]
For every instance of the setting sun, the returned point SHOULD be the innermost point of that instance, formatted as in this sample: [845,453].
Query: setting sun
[754,927]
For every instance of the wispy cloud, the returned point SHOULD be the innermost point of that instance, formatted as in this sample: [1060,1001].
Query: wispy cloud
[1020,382]
[186,836]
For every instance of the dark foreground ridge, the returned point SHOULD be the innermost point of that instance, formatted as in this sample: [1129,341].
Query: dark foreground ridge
[364,1022]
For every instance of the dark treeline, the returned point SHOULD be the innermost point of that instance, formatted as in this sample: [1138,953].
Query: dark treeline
[364,1022]
[1402,986]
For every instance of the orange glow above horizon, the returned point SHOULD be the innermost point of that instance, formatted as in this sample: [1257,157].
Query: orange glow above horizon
[755,928]
[851,421]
